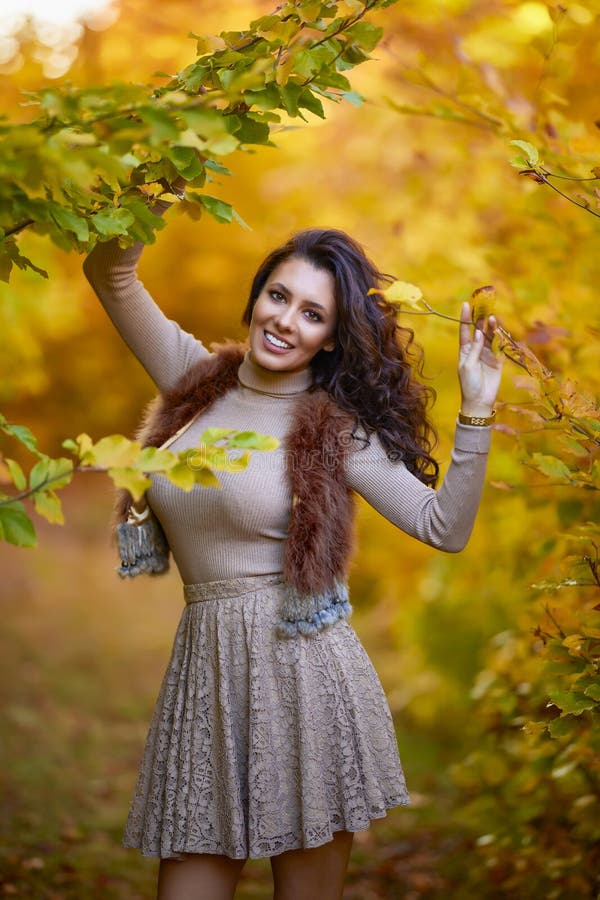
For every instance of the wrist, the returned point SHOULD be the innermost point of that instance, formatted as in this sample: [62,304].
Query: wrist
[476,408]
[478,420]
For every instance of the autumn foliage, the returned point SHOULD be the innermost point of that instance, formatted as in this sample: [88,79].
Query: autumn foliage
[473,163]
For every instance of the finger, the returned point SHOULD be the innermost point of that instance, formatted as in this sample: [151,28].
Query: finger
[490,330]
[475,349]
[465,324]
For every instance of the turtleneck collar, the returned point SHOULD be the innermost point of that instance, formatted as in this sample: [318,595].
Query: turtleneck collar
[266,381]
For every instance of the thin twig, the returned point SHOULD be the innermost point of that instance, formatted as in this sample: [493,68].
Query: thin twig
[553,620]
[43,484]
[569,177]
[570,199]
[16,228]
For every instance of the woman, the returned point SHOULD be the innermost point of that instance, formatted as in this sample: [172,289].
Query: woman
[271,734]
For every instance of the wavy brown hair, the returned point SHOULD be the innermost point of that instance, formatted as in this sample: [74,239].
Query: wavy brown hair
[371,371]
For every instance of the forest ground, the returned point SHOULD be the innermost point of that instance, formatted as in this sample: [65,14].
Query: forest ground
[81,659]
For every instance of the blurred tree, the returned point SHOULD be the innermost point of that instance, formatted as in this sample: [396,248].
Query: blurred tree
[494,680]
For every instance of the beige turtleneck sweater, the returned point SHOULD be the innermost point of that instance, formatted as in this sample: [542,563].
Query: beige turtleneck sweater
[240,528]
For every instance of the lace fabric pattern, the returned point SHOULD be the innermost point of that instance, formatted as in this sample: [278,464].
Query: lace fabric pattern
[259,744]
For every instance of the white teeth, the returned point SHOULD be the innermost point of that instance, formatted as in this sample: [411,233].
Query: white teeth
[273,340]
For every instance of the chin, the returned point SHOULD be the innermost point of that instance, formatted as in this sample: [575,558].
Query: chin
[273,363]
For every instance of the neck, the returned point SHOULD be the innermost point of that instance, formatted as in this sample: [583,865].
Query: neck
[269,381]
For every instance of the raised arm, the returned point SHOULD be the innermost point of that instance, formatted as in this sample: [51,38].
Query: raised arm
[164,349]
[442,518]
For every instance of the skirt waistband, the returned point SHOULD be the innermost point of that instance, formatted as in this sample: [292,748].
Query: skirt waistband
[229,587]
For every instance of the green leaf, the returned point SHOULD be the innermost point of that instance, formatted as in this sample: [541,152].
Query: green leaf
[251,440]
[146,223]
[571,703]
[307,100]
[531,154]
[290,94]
[186,161]
[366,34]
[593,691]
[572,446]
[550,466]
[39,473]
[59,472]
[69,221]
[252,131]
[265,99]
[193,76]
[223,144]
[22,434]
[218,209]
[216,166]
[16,527]
[82,447]
[210,436]
[334,80]
[219,458]
[161,123]
[11,255]
[353,97]
[112,221]
[16,473]
[240,221]
[562,726]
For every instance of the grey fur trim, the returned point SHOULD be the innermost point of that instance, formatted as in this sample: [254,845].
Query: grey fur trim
[142,548]
[308,614]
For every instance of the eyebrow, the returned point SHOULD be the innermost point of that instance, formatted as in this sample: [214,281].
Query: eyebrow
[286,290]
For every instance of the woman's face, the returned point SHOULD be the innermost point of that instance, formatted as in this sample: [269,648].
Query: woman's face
[294,317]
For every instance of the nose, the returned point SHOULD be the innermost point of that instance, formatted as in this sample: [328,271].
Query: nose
[284,318]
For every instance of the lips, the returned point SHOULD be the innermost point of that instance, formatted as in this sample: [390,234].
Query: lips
[275,342]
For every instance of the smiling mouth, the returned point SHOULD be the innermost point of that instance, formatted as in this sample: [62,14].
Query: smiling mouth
[277,342]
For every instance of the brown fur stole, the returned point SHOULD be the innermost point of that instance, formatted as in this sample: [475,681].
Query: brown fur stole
[319,541]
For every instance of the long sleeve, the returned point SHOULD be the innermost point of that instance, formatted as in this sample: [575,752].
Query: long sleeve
[442,518]
[164,349]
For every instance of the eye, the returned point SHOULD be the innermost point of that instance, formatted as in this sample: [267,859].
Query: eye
[313,316]
[277,296]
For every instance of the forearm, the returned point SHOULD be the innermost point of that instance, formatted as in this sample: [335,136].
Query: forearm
[442,518]
[162,347]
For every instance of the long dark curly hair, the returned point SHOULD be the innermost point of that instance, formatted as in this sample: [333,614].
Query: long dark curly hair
[371,371]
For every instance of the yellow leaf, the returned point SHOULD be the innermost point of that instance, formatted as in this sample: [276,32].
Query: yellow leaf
[181,476]
[84,444]
[135,482]
[16,473]
[206,478]
[115,451]
[151,459]
[350,7]
[48,505]
[402,292]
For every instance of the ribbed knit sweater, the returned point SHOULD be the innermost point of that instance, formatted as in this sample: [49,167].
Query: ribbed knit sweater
[240,528]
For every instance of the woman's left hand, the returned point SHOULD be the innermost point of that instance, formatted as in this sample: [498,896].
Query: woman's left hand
[479,369]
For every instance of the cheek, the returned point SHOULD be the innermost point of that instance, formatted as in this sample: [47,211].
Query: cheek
[257,311]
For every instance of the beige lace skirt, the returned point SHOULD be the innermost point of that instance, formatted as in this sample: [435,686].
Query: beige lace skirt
[260,744]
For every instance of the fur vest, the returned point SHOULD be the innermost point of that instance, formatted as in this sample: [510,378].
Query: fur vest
[319,541]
